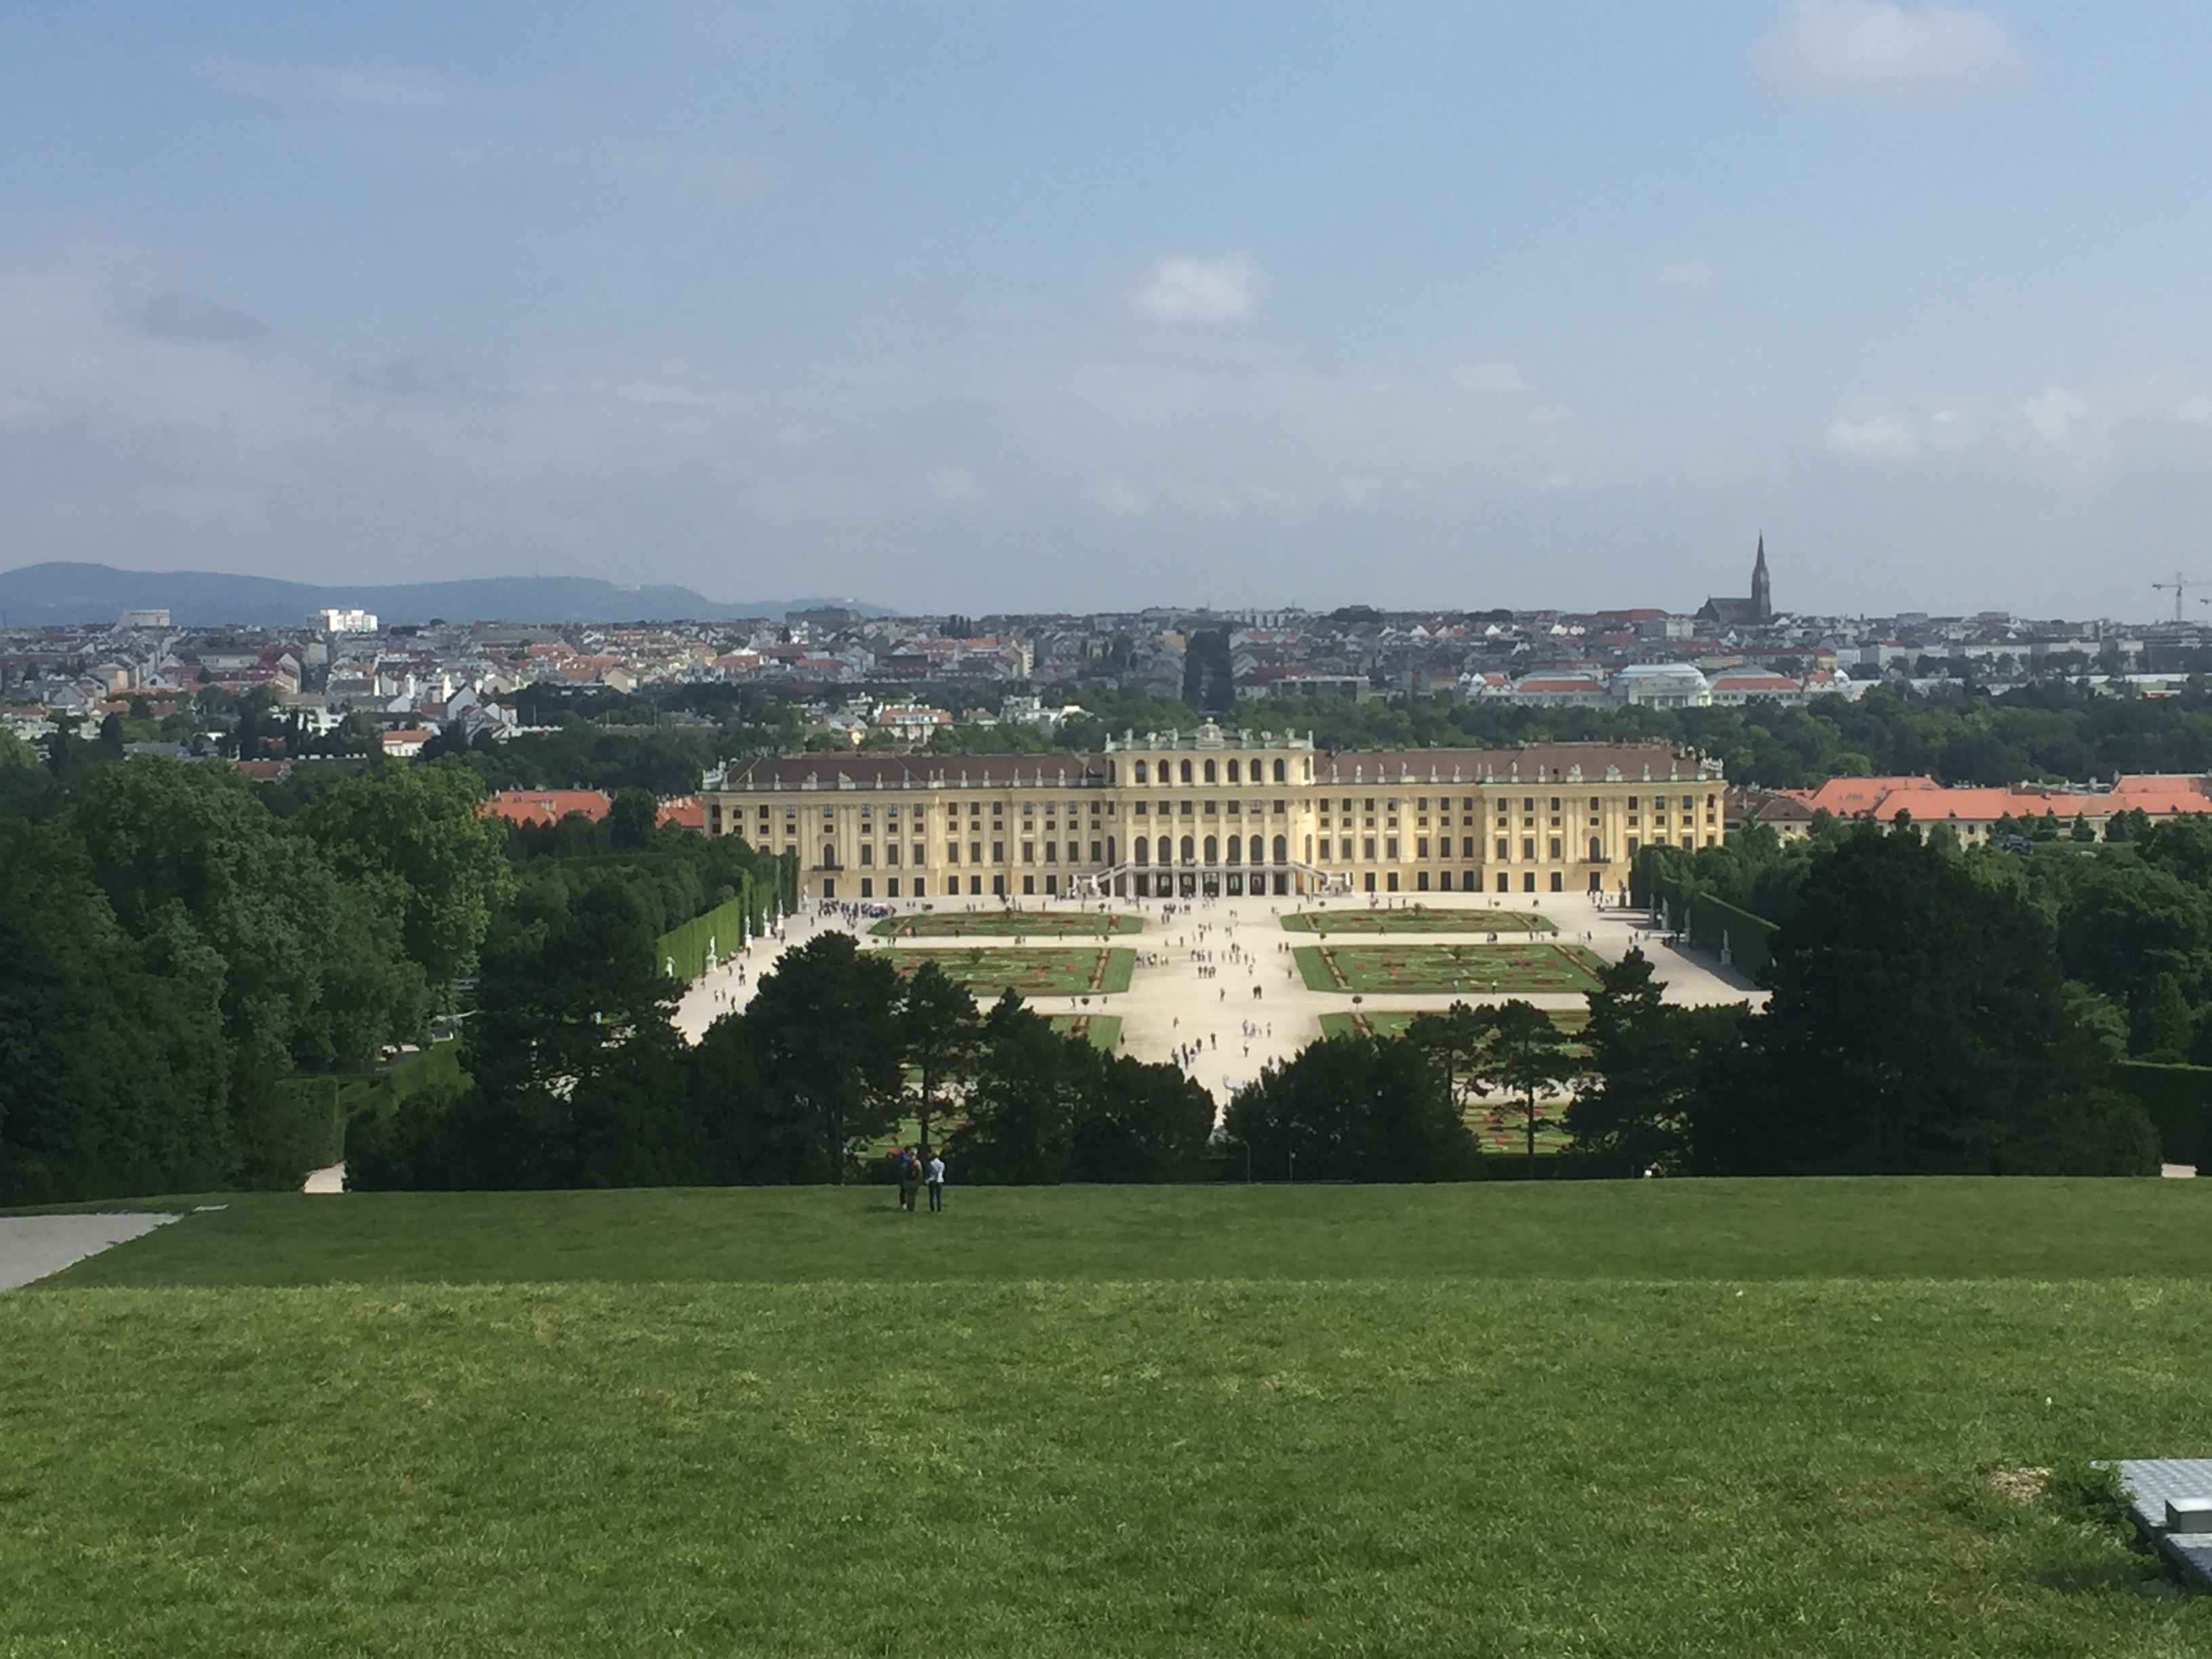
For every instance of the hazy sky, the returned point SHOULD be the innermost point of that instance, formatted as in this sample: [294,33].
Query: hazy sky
[972,306]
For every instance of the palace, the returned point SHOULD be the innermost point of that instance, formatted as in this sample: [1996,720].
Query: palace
[1213,813]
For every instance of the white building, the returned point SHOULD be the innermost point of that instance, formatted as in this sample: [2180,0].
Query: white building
[1661,685]
[347,621]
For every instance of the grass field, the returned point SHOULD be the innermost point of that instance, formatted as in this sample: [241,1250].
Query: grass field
[1393,1022]
[1487,969]
[1033,972]
[1005,924]
[1104,1031]
[1418,919]
[1633,1419]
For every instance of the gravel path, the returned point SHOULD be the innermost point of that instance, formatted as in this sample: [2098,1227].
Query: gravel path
[33,1246]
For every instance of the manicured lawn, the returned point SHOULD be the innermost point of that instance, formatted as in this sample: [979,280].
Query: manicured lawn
[1006,924]
[1486,970]
[1418,919]
[1661,1417]
[1671,1230]
[987,970]
[1104,1031]
[1393,1022]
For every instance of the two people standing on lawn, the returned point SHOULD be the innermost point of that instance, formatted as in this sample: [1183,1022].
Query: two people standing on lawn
[913,1174]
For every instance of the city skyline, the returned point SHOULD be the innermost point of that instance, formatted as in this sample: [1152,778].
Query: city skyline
[999,310]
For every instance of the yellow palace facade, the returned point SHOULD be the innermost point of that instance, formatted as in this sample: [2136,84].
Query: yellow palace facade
[1213,813]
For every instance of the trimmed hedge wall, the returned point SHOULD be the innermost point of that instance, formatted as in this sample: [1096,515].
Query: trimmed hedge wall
[2180,1101]
[1706,920]
[1750,939]
[722,929]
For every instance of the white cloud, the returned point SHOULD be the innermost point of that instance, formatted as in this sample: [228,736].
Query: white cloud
[1877,49]
[948,485]
[1183,290]
[179,314]
[357,86]
[1876,438]
[2053,414]
[1688,279]
[1489,377]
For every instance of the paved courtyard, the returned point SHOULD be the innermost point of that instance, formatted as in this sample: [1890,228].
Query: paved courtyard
[1220,975]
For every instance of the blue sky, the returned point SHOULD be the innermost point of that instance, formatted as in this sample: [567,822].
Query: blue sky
[970,305]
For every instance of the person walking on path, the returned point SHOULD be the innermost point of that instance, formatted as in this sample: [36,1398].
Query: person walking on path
[936,1183]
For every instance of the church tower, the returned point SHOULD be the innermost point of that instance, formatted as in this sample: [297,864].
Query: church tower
[1762,596]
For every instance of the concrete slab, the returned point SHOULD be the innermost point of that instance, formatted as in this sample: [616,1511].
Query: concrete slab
[2152,1483]
[33,1246]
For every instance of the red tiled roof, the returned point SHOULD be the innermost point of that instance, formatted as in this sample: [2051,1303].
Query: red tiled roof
[547,805]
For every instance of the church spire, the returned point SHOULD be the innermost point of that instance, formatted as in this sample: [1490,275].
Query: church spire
[1762,597]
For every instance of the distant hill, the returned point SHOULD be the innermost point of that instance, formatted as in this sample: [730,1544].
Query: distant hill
[46,595]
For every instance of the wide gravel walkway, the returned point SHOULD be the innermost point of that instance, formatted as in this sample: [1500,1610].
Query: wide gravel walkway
[33,1246]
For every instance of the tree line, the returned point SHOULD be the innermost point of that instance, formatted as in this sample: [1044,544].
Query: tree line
[1920,1022]
[578,1078]
[185,947]
[2129,917]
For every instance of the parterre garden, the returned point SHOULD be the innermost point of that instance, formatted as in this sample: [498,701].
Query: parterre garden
[1393,1022]
[1104,1030]
[1621,1420]
[1528,969]
[1006,924]
[1031,971]
[1418,919]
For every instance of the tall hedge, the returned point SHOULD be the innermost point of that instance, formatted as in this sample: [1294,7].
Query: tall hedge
[2179,1099]
[722,929]
[1714,922]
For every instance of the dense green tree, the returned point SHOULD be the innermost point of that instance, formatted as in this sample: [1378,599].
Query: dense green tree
[828,1046]
[1454,1040]
[572,1054]
[1525,1057]
[937,1032]
[1919,1023]
[1650,1063]
[420,827]
[1029,1089]
[313,969]
[1140,1121]
[1352,1107]
[113,1070]
[631,818]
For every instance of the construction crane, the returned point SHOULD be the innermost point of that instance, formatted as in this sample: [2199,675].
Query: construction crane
[2181,585]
